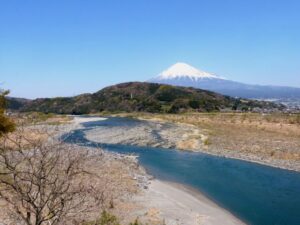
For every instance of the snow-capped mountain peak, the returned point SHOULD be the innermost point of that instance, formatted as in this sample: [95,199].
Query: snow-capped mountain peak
[182,74]
[183,70]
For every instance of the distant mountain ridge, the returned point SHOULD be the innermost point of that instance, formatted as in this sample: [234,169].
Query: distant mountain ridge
[182,74]
[145,97]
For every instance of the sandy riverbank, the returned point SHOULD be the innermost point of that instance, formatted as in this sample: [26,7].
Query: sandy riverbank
[243,142]
[268,139]
[178,204]
[79,120]
[150,133]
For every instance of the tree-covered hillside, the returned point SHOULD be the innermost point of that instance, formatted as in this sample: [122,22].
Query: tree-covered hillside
[144,97]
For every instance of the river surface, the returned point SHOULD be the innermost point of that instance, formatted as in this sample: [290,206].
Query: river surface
[257,194]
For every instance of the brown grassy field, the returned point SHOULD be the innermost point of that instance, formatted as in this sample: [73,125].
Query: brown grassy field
[252,136]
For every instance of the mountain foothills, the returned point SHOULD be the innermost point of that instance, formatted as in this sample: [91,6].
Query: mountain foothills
[142,97]
[17,103]
[182,74]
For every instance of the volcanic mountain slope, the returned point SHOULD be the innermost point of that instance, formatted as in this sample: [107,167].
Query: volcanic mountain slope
[182,74]
[144,97]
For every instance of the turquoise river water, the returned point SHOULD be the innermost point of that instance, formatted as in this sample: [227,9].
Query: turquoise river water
[257,194]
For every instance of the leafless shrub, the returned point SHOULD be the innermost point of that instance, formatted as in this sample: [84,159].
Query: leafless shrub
[44,181]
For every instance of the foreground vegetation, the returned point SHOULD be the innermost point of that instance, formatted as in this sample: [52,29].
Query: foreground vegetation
[45,181]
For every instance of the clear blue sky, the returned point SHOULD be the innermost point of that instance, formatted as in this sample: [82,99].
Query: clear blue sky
[67,47]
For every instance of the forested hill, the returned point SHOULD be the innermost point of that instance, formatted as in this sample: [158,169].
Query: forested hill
[143,97]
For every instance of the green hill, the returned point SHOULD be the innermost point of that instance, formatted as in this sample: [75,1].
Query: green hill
[144,97]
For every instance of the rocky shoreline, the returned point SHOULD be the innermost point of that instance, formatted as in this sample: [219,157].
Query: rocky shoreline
[150,133]
[162,134]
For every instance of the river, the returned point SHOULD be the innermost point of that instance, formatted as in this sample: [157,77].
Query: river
[257,194]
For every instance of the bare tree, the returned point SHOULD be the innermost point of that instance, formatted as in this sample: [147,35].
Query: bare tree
[44,181]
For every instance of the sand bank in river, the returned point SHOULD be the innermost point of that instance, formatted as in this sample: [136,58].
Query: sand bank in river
[178,204]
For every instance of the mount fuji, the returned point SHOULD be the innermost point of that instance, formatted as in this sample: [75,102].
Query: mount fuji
[182,74]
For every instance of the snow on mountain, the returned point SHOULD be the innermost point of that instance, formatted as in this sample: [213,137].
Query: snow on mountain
[183,70]
[182,74]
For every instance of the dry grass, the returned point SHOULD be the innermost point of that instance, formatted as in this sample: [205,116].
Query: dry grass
[265,136]
[36,127]
[37,118]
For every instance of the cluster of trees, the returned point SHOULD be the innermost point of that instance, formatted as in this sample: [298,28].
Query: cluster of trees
[6,125]
[134,97]
[143,97]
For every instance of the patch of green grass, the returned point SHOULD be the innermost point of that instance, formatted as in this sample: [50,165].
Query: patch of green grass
[207,142]
[107,218]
